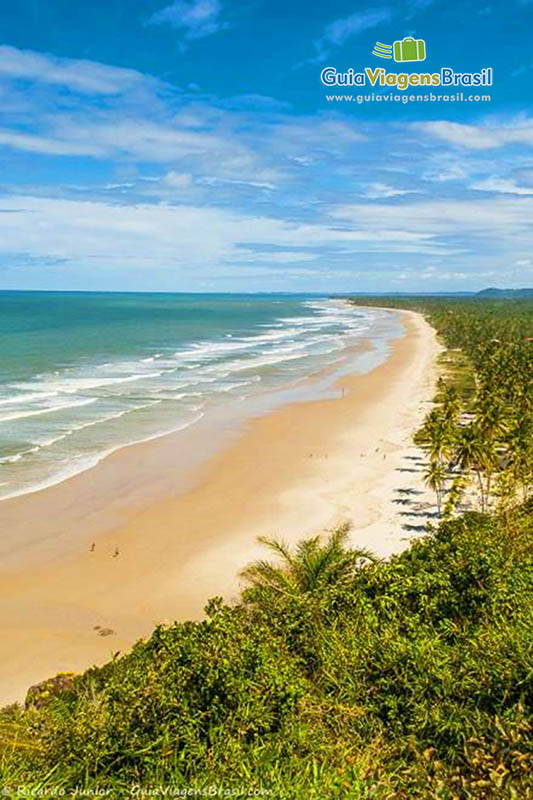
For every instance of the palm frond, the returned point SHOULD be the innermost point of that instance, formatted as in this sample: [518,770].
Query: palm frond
[279,547]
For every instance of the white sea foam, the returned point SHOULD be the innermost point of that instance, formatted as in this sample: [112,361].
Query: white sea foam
[43,443]
[73,385]
[38,411]
[17,456]
[29,397]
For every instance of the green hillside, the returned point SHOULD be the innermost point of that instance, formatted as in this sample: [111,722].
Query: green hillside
[495,294]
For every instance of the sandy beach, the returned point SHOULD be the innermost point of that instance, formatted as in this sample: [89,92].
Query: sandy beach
[112,552]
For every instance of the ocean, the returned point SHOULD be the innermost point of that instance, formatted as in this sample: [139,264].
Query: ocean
[83,374]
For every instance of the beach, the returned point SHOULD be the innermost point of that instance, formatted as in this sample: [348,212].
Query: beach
[113,552]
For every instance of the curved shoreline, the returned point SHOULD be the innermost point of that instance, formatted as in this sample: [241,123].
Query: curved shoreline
[38,524]
[292,472]
[258,397]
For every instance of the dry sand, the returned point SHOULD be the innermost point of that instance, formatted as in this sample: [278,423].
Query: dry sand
[107,555]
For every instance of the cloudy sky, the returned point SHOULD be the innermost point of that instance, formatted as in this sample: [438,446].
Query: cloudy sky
[189,146]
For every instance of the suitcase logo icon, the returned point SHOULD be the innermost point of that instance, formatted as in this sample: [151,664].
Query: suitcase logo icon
[410,49]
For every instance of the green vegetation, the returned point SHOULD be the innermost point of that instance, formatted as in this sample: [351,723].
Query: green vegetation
[335,675]
[480,432]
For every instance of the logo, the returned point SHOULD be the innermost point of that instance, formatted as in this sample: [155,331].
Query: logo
[407,49]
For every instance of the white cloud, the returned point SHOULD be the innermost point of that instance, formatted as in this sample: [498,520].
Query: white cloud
[493,228]
[380,191]
[446,172]
[434,216]
[503,186]
[479,137]
[212,150]
[48,145]
[87,77]
[178,238]
[338,31]
[101,135]
[430,274]
[139,119]
[209,180]
[152,123]
[147,140]
[470,136]
[274,256]
[198,18]
[313,139]
[178,180]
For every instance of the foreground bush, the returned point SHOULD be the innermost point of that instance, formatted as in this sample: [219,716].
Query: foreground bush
[334,677]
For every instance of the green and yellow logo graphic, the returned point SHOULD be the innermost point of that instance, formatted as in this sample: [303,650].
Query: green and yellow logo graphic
[382,50]
[407,49]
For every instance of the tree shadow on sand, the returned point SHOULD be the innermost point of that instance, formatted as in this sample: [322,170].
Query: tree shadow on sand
[415,528]
[419,514]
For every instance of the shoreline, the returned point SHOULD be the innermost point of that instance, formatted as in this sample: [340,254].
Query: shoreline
[257,398]
[290,473]
[38,523]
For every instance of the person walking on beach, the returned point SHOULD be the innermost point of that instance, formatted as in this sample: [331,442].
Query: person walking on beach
[115,554]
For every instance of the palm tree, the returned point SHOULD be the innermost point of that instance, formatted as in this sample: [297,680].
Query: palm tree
[475,452]
[435,477]
[490,414]
[436,435]
[311,567]
[519,451]
[454,495]
[468,452]
[451,403]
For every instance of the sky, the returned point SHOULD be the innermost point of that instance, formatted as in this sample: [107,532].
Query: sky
[189,145]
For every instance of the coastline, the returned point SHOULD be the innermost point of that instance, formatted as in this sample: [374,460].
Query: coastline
[291,473]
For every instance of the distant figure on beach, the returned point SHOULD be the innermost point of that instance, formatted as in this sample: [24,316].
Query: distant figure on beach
[92,547]
[115,554]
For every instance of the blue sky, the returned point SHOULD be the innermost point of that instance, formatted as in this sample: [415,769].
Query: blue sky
[189,146]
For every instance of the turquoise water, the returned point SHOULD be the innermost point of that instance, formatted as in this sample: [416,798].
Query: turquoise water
[82,374]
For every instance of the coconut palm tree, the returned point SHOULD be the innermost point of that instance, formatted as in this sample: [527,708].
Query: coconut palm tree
[468,451]
[477,453]
[519,452]
[454,495]
[436,435]
[435,477]
[308,569]
[490,414]
[451,404]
